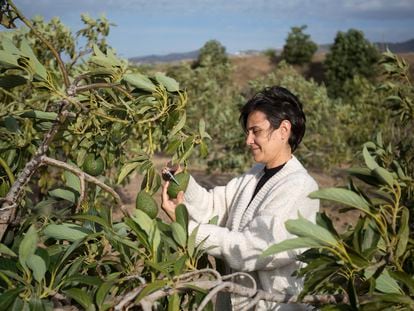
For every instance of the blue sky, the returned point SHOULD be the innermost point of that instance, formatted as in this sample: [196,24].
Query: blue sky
[160,26]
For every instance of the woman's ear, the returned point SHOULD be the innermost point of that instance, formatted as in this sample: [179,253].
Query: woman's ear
[285,128]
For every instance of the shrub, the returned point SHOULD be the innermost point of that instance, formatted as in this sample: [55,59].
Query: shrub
[350,55]
[213,53]
[299,48]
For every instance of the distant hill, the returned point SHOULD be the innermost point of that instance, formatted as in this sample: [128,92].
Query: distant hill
[172,57]
[399,47]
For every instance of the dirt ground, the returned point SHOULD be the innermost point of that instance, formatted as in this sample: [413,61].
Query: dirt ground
[341,220]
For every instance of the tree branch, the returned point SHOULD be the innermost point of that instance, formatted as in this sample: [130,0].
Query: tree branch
[218,285]
[86,177]
[11,201]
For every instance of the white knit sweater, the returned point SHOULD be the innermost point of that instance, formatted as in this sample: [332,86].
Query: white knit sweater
[245,230]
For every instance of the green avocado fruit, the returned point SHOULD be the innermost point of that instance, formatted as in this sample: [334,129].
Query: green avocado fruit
[146,203]
[173,188]
[93,165]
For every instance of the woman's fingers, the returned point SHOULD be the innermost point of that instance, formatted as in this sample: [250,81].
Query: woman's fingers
[180,197]
[167,205]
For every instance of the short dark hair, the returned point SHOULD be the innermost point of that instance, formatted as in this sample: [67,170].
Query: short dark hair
[278,104]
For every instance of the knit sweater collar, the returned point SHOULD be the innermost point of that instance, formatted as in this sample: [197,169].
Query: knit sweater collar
[243,215]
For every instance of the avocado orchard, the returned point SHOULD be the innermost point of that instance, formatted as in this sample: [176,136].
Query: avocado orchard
[61,246]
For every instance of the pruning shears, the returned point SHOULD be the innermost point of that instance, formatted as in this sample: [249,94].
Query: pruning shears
[170,176]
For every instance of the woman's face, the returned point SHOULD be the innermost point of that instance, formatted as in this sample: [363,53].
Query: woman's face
[268,146]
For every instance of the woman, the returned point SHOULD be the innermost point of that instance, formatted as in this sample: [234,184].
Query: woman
[253,208]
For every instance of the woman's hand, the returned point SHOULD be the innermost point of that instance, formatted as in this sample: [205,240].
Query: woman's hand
[168,204]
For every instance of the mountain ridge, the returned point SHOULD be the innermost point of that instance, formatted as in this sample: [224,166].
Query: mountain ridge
[395,47]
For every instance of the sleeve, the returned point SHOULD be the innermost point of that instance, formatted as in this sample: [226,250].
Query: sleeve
[203,204]
[242,250]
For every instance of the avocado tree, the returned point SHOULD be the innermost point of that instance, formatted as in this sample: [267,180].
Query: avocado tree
[211,54]
[350,56]
[70,131]
[299,48]
[372,261]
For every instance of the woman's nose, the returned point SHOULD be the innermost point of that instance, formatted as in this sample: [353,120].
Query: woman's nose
[249,138]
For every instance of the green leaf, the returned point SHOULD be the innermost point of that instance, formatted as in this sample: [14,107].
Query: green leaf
[102,291]
[181,216]
[8,297]
[286,245]
[11,81]
[97,51]
[369,160]
[9,61]
[305,228]
[126,170]
[391,299]
[9,46]
[38,68]
[174,302]
[343,196]
[170,84]
[143,220]
[203,149]
[404,278]
[323,220]
[155,240]
[191,243]
[179,234]
[28,245]
[65,194]
[4,250]
[383,175]
[38,266]
[93,218]
[140,81]
[69,232]
[179,265]
[80,296]
[364,174]
[40,115]
[83,279]
[179,125]
[386,284]
[213,220]
[37,304]
[403,232]
[202,129]
[72,181]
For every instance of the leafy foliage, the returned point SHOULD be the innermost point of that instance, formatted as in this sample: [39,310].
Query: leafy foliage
[212,54]
[299,48]
[372,262]
[65,247]
[213,107]
[351,55]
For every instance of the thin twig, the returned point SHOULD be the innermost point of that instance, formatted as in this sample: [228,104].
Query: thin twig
[102,85]
[82,175]
[197,272]
[253,302]
[213,293]
[82,190]
[230,276]
[45,41]
[129,297]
